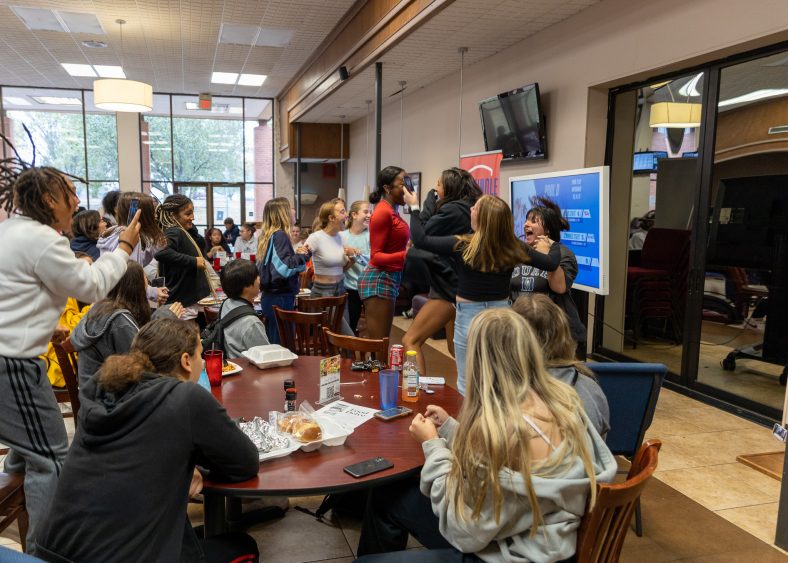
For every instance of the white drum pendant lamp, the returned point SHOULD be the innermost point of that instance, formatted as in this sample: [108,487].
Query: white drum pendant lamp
[675,115]
[116,94]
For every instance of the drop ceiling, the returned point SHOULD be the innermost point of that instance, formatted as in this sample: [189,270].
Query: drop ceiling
[173,45]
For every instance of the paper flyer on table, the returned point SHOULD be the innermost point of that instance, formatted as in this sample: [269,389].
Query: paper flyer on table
[346,414]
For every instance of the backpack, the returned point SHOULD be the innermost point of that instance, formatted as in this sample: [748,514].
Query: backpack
[213,335]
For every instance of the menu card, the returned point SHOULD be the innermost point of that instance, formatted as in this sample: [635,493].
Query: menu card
[329,380]
[347,414]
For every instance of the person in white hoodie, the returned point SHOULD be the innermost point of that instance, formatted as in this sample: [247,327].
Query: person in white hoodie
[508,481]
[35,282]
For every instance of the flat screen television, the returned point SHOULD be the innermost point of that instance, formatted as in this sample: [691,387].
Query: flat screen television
[646,162]
[513,123]
[689,154]
[583,197]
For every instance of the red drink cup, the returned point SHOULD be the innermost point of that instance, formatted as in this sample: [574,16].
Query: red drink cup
[217,264]
[213,366]
[252,257]
[237,255]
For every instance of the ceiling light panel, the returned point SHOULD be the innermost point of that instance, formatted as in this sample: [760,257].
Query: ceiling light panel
[251,79]
[109,71]
[238,34]
[79,69]
[274,37]
[81,22]
[224,77]
[15,101]
[57,101]
[38,19]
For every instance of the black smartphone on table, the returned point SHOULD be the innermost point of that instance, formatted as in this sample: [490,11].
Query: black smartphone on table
[369,466]
[133,206]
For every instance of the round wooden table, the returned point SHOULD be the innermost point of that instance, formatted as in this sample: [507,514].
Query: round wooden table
[256,392]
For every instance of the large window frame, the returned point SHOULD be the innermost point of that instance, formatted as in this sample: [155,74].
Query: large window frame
[686,381]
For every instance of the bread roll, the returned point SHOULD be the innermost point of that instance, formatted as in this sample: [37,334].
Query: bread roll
[307,431]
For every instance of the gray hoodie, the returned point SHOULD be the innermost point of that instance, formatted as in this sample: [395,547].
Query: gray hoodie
[594,400]
[562,499]
[243,333]
[97,338]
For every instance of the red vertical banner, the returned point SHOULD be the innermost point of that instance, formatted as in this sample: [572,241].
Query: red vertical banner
[485,167]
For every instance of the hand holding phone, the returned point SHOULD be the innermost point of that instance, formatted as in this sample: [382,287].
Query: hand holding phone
[408,181]
[133,206]
[364,468]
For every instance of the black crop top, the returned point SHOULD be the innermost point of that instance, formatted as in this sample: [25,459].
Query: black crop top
[474,285]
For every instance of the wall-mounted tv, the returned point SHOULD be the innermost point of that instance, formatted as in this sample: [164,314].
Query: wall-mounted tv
[646,162]
[583,197]
[690,154]
[513,123]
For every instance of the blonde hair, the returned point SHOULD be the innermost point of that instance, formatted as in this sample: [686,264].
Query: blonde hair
[276,217]
[326,211]
[355,207]
[493,246]
[505,366]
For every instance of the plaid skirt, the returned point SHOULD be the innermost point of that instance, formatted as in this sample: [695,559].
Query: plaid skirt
[379,283]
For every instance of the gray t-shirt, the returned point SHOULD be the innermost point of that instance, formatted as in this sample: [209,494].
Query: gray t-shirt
[594,400]
[243,333]
[527,279]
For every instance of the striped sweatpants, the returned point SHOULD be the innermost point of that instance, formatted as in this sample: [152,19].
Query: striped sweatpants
[31,425]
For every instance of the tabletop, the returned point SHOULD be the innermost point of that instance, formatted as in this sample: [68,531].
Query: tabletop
[255,392]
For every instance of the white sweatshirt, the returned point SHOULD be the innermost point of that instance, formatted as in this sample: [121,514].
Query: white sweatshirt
[36,279]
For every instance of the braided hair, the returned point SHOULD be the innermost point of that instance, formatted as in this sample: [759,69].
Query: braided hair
[23,185]
[166,212]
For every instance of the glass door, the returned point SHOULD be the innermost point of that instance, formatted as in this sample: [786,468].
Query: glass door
[198,192]
[228,203]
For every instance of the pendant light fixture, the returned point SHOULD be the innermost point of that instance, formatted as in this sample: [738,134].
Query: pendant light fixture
[115,94]
[673,114]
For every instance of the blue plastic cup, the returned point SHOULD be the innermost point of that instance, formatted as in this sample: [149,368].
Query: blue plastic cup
[388,388]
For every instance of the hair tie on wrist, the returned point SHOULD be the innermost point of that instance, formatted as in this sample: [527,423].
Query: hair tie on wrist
[127,243]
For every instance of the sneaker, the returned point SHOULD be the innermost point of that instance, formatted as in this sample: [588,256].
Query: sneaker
[408,314]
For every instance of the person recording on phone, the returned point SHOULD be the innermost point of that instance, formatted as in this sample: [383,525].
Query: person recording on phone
[510,478]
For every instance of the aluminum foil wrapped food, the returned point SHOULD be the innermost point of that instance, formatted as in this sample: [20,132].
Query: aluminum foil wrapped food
[264,436]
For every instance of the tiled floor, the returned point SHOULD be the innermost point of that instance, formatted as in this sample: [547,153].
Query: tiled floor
[697,461]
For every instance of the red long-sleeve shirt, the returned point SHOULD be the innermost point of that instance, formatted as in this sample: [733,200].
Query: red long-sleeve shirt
[388,238]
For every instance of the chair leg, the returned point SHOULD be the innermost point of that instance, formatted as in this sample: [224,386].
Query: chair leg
[22,524]
[638,520]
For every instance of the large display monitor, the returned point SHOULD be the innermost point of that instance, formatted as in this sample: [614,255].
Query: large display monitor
[512,122]
[583,197]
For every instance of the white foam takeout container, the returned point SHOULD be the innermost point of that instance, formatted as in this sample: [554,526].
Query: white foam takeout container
[269,356]
[333,434]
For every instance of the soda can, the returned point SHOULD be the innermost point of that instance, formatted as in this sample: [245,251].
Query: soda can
[396,356]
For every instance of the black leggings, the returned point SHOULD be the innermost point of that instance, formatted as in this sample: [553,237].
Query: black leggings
[354,306]
[234,547]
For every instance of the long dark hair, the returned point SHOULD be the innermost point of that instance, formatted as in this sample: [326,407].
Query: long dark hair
[209,244]
[549,214]
[385,178]
[166,212]
[151,235]
[128,294]
[86,224]
[458,184]
[157,348]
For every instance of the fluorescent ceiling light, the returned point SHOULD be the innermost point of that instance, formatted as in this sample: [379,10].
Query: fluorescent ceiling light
[192,106]
[57,101]
[16,101]
[753,96]
[240,34]
[81,22]
[274,37]
[251,79]
[79,69]
[690,88]
[38,19]
[224,77]
[109,71]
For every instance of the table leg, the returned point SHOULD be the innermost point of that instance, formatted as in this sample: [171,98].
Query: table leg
[215,515]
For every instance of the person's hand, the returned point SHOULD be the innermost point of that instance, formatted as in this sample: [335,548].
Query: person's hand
[131,234]
[61,334]
[162,293]
[542,244]
[303,250]
[201,263]
[436,414]
[350,251]
[196,485]
[422,429]
[408,246]
[411,198]
[177,309]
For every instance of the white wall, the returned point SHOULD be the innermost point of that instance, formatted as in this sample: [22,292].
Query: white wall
[574,62]
[129,151]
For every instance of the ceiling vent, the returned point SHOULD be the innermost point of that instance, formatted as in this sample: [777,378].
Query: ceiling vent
[238,34]
[40,19]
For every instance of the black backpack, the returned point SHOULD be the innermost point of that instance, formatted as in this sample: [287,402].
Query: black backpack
[213,335]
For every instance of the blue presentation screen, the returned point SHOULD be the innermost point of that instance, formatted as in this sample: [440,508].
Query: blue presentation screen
[582,196]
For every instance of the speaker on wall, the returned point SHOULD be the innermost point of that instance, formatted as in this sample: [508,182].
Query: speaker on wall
[343,73]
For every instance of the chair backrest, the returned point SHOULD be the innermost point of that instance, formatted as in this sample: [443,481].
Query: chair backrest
[334,306]
[632,390]
[356,348]
[302,333]
[12,504]
[67,358]
[604,527]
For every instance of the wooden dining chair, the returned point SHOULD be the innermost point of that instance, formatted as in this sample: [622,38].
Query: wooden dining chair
[604,527]
[302,333]
[12,504]
[334,306]
[67,359]
[355,348]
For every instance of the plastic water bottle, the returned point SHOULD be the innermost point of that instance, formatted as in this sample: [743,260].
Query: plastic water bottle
[410,378]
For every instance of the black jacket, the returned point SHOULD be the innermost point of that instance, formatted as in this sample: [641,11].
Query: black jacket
[178,264]
[451,218]
[124,486]
[82,243]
